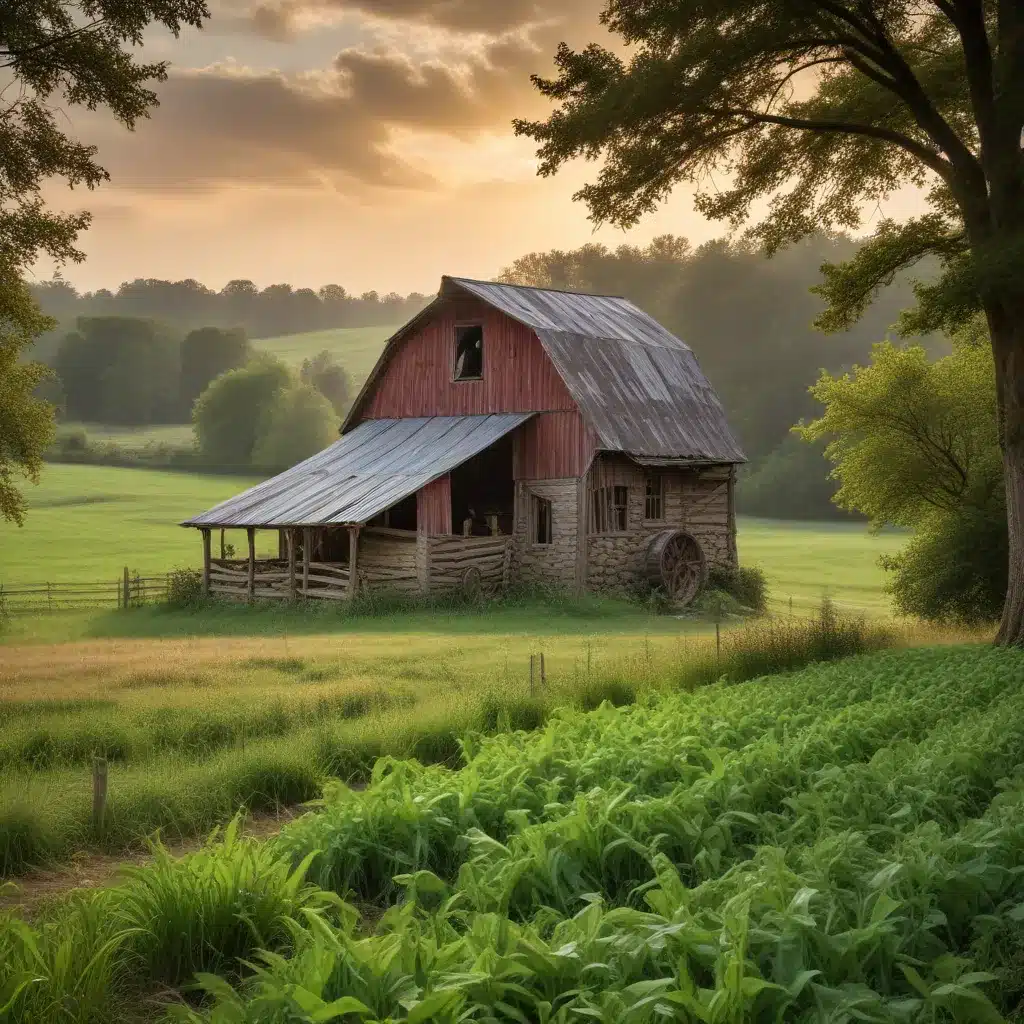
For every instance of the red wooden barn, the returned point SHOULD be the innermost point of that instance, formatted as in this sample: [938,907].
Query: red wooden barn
[506,434]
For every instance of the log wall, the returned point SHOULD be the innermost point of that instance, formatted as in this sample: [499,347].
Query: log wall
[388,560]
[448,558]
[229,578]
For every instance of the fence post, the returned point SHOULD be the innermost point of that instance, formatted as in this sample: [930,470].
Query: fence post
[99,792]
[543,677]
[532,659]
[718,649]
[138,589]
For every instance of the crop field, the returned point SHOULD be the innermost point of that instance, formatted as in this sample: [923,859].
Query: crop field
[88,522]
[842,842]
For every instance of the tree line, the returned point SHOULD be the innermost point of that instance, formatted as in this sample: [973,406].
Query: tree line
[186,305]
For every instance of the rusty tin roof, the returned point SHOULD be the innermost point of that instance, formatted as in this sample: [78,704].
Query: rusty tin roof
[364,472]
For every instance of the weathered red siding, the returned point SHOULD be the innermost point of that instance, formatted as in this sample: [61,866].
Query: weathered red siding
[517,375]
[434,506]
[552,446]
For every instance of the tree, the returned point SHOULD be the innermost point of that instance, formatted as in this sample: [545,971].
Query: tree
[329,378]
[300,423]
[26,422]
[228,416]
[118,369]
[915,444]
[813,109]
[206,353]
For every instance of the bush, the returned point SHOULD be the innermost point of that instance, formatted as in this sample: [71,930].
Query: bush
[329,378]
[230,413]
[300,423]
[73,442]
[746,585]
[185,588]
[955,567]
[206,353]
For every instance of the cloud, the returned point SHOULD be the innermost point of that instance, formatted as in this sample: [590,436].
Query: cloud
[228,125]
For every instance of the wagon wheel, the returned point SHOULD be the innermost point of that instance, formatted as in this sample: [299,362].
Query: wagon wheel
[676,563]
[472,581]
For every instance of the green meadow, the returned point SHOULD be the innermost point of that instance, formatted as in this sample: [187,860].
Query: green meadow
[356,348]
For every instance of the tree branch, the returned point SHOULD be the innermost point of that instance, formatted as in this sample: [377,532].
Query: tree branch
[46,43]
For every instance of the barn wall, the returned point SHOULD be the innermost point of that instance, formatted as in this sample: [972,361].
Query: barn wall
[552,446]
[434,507]
[517,374]
[697,502]
[551,564]
[387,560]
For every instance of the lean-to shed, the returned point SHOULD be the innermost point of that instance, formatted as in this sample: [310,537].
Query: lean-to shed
[506,434]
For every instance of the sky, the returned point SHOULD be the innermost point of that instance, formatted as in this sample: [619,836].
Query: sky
[366,143]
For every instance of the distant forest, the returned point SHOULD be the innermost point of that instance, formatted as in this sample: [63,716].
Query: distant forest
[183,306]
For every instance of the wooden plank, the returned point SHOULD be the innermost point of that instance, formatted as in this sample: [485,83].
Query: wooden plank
[250,533]
[307,542]
[390,532]
[206,561]
[353,560]
[292,582]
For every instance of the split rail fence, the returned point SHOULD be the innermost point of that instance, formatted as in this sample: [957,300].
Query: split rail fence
[130,590]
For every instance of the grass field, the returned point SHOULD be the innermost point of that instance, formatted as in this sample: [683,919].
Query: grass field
[356,348]
[177,435]
[88,522]
[841,842]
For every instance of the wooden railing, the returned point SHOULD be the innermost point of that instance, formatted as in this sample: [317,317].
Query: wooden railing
[130,590]
[272,580]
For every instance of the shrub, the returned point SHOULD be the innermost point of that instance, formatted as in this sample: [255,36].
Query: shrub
[746,584]
[955,568]
[300,423]
[185,588]
[329,378]
[206,353]
[73,442]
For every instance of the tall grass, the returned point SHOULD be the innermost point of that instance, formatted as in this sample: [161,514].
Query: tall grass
[186,770]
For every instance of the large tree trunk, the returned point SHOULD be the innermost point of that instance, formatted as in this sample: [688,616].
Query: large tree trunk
[1008,349]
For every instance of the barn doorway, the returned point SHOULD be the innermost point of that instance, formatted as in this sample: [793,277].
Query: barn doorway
[483,492]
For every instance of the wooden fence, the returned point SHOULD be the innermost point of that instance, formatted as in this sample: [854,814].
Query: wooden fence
[130,590]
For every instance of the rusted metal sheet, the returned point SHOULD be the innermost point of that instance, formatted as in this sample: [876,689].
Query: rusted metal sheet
[639,387]
[552,446]
[366,471]
[416,378]
[434,506]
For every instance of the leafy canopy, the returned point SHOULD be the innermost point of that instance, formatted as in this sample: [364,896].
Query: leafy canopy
[810,110]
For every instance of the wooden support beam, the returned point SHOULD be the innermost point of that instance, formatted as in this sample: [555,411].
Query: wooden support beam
[307,543]
[290,540]
[223,553]
[353,559]
[251,534]
[731,499]
[206,562]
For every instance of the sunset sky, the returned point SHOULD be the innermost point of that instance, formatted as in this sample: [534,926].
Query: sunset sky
[361,142]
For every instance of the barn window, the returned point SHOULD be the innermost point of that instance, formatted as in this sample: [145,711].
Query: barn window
[611,510]
[654,496]
[469,352]
[540,511]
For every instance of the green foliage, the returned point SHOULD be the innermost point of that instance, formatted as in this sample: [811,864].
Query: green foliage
[185,588]
[206,353]
[747,584]
[792,482]
[910,437]
[299,423]
[26,421]
[330,379]
[955,568]
[120,370]
[231,412]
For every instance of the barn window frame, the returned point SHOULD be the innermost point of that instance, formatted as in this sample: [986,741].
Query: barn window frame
[654,498]
[462,329]
[541,521]
[610,509]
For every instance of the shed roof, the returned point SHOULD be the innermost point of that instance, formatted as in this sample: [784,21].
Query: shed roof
[363,473]
[639,387]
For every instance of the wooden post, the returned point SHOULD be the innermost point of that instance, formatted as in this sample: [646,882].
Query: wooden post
[307,543]
[206,561]
[99,792]
[49,597]
[290,539]
[353,559]
[532,660]
[223,553]
[251,534]
[125,582]
[492,525]
[718,648]
[467,527]
[543,676]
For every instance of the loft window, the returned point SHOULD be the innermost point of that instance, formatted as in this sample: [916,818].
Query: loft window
[469,352]
[654,497]
[541,513]
[611,509]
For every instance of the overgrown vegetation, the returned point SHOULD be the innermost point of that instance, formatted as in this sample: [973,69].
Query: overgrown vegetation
[843,837]
[187,763]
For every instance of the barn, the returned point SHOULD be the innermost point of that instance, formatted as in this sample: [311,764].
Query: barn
[506,435]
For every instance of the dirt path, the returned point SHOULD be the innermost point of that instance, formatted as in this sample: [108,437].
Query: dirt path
[27,893]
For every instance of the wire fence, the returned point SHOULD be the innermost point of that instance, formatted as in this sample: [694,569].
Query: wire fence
[129,590]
